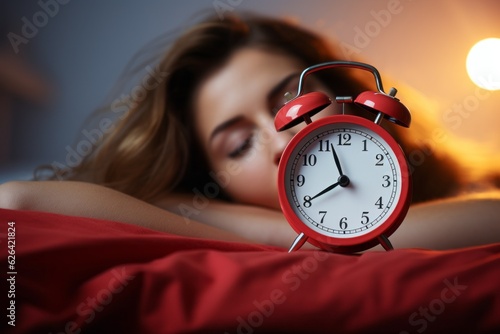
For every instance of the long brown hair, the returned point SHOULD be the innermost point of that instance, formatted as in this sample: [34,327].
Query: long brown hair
[153,149]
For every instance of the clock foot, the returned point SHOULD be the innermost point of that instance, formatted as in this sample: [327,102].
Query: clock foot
[298,242]
[384,241]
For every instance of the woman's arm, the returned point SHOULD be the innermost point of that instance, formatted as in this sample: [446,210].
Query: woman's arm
[94,201]
[258,224]
[452,223]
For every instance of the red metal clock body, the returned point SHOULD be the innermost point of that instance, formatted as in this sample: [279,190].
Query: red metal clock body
[343,181]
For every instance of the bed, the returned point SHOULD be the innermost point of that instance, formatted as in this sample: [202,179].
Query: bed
[81,275]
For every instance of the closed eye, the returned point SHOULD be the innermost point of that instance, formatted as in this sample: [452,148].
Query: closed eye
[242,149]
[277,97]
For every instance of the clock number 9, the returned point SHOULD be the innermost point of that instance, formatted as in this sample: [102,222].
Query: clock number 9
[301,179]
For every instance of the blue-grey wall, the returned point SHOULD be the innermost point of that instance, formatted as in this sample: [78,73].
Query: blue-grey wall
[83,46]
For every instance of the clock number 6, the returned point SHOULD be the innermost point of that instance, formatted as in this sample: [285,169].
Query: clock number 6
[343,223]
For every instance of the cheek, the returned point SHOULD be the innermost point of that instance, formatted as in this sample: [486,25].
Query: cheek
[247,182]
[253,182]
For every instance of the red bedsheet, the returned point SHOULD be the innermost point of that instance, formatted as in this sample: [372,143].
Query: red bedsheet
[80,275]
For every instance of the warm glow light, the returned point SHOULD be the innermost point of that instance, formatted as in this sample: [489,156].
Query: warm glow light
[483,63]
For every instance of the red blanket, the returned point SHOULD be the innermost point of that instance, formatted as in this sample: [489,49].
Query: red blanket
[80,275]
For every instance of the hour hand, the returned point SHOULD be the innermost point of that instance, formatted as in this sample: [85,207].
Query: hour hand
[342,181]
[337,161]
[327,189]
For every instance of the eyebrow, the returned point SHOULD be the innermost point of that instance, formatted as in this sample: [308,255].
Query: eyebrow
[282,84]
[224,125]
[272,93]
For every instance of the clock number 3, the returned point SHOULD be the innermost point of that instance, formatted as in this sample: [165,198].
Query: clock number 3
[387,181]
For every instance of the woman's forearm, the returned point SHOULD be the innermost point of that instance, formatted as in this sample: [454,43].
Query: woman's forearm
[94,201]
[451,223]
[258,224]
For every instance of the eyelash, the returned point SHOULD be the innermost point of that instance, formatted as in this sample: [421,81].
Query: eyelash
[242,149]
[247,144]
[291,88]
[275,110]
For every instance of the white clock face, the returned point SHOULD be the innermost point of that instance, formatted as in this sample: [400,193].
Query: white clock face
[343,180]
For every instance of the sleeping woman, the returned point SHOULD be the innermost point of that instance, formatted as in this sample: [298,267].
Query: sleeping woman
[198,155]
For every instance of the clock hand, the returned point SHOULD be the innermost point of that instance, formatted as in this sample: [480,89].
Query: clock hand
[337,161]
[327,189]
[342,181]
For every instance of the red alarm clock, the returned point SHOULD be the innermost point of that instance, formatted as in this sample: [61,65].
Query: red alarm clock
[343,180]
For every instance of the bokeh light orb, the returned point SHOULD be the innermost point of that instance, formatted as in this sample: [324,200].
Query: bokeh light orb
[483,63]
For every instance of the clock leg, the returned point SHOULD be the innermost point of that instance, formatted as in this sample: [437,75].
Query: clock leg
[298,242]
[384,241]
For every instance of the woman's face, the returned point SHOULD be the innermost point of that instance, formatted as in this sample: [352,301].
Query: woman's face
[234,118]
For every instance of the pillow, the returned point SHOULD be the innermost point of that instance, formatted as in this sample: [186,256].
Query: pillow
[81,275]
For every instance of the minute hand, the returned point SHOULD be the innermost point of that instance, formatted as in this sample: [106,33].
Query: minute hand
[327,189]
[337,161]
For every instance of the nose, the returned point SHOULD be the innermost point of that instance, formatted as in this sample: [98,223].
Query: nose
[275,142]
[280,140]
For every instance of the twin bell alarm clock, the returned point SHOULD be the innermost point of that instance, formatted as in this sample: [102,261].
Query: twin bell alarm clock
[343,180]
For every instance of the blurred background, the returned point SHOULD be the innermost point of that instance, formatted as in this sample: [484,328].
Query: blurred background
[60,59]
